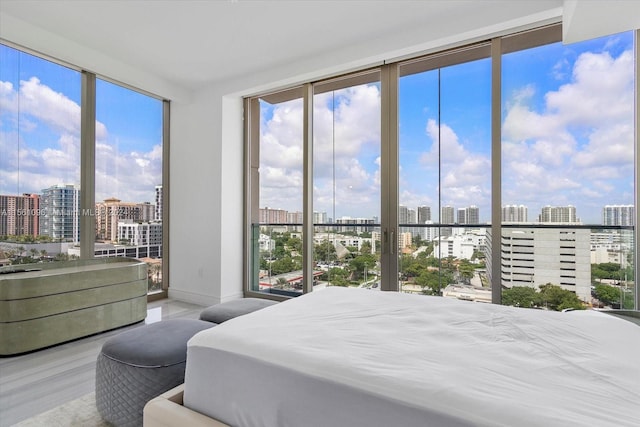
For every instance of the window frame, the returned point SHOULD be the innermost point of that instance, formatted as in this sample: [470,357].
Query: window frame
[390,73]
[87,158]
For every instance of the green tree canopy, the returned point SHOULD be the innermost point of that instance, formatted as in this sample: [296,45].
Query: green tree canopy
[521,296]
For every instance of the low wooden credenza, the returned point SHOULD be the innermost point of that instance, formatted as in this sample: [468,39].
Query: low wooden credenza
[51,303]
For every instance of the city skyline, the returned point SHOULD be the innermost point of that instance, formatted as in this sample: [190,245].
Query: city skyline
[616,215]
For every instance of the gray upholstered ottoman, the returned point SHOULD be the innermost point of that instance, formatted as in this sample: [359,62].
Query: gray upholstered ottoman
[140,364]
[228,310]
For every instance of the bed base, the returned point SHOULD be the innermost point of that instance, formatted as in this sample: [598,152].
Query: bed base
[167,410]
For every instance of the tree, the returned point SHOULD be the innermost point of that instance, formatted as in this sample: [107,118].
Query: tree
[429,281]
[521,296]
[294,244]
[608,294]
[358,265]
[284,265]
[466,270]
[556,298]
[325,251]
[337,277]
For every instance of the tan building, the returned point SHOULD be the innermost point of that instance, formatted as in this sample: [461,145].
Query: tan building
[110,212]
[19,215]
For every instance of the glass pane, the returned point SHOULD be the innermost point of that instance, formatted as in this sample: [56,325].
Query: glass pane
[39,158]
[445,179]
[129,177]
[568,168]
[346,185]
[279,235]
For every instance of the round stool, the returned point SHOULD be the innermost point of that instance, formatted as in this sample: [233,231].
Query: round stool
[140,364]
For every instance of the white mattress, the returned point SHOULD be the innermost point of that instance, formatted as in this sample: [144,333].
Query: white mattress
[354,357]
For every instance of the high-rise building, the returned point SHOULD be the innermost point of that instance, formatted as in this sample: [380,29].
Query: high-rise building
[60,212]
[559,214]
[515,213]
[319,217]
[112,211]
[447,215]
[19,215]
[272,216]
[469,215]
[424,214]
[148,212]
[623,215]
[356,225]
[158,214]
[403,215]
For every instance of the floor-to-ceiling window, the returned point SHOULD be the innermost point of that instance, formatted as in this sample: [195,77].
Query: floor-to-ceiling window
[567,172]
[50,165]
[39,158]
[277,173]
[520,137]
[128,176]
[445,172]
[346,181]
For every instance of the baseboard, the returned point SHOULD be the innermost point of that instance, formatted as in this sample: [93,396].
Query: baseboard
[193,297]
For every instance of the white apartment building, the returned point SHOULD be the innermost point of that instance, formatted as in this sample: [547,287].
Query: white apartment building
[559,214]
[469,215]
[623,215]
[461,244]
[515,213]
[60,213]
[140,233]
[611,247]
[266,243]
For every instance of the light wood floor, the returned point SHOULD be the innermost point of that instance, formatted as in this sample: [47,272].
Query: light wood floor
[41,380]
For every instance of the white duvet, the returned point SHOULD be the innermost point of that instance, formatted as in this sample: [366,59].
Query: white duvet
[481,364]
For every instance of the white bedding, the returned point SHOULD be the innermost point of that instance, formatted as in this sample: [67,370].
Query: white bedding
[345,356]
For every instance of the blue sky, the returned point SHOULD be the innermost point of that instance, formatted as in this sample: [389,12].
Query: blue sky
[40,131]
[567,137]
[566,126]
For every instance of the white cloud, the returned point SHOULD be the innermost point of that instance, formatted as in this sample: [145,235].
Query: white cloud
[465,176]
[43,148]
[346,152]
[579,144]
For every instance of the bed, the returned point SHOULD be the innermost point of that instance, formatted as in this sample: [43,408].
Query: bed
[356,357]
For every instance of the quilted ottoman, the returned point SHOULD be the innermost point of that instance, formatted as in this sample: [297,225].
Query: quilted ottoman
[222,312]
[140,364]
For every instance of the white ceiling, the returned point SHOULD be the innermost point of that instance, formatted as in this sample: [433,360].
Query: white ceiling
[189,43]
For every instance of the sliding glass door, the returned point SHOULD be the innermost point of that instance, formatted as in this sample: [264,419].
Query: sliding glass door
[501,171]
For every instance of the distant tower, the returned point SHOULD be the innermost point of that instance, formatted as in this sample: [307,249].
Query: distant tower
[469,215]
[158,214]
[514,213]
[61,207]
[623,215]
[403,215]
[558,214]
[424,214]
[447,216]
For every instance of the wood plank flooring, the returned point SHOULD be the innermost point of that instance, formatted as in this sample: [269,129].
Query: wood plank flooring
[36,382]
